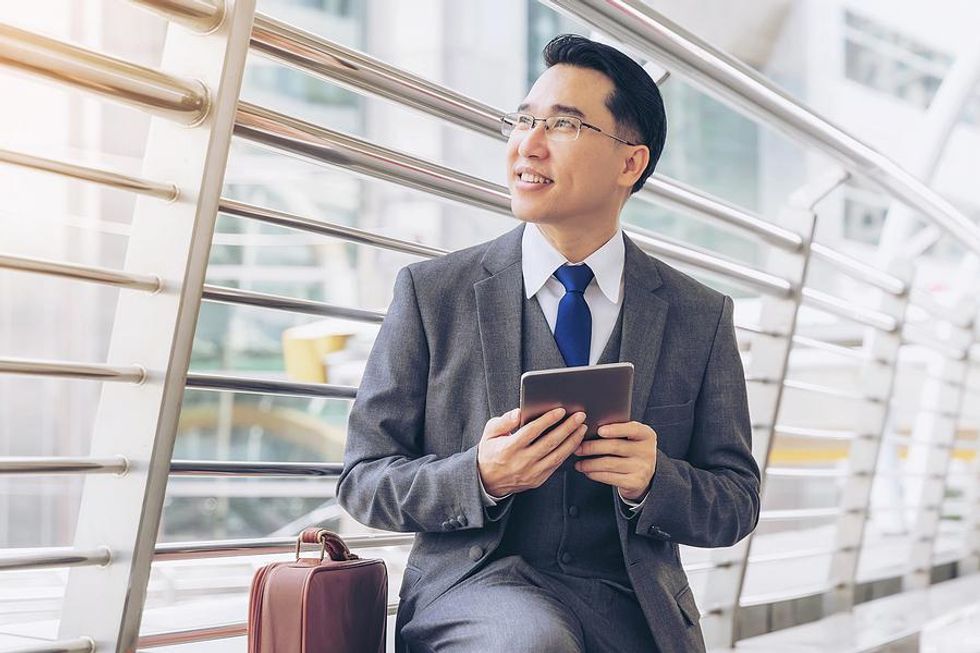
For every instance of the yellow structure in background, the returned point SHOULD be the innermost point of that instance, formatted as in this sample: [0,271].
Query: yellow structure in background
[306,347]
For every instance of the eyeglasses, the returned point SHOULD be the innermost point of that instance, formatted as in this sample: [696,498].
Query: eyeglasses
[556,128]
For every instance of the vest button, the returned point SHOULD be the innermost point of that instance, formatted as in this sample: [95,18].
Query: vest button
[567,557]
[476,552]
[573,511]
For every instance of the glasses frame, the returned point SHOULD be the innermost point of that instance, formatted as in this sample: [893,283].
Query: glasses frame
[582,123]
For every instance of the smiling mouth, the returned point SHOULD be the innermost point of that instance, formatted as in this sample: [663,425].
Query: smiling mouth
[529,178]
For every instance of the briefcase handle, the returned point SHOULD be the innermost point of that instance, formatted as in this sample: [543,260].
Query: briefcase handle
[328,541]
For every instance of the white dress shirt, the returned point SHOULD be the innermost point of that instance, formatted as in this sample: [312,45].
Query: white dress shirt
[604,295]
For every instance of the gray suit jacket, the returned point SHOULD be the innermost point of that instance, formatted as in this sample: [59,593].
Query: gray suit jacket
[448,357]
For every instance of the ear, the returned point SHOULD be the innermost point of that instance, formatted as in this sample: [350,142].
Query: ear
[634,164]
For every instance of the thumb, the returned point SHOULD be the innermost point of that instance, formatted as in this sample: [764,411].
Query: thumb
[503,425]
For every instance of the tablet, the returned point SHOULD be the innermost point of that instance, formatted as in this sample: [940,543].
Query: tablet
[603,391]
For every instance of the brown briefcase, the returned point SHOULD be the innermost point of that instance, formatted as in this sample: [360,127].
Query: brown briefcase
[309,605]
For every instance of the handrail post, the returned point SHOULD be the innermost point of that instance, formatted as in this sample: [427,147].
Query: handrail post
[139,422]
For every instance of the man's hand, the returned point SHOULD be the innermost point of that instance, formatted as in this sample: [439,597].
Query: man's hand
[626,456]
[522,461]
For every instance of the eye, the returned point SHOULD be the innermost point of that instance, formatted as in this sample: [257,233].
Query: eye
[564,123]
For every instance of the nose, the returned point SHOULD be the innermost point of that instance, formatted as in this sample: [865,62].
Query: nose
[534,141]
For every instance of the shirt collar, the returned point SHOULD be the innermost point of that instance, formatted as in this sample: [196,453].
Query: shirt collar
[539,260]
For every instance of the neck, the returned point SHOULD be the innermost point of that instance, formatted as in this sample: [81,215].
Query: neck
[577,243]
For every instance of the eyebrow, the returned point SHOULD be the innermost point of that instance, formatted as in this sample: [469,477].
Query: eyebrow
[562,109]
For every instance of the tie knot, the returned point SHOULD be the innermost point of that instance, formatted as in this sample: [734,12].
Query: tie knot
[575,278]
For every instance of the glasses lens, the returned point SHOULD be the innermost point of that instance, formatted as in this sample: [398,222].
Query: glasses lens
[512,122]
[563,128]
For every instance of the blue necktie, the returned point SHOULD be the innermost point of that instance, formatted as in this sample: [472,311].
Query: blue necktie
[573,329]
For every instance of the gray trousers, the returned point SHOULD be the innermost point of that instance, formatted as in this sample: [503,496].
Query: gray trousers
[510,606]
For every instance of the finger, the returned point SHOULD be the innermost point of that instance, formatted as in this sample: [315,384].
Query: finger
[547,443]
[503,424]
[627,430]
[564,450]
[536,427]
[609,447]
[615,464]
[609,478]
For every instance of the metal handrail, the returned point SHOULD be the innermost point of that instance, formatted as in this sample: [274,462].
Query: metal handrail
[804,472]
[92,274]
[266,546]
[860,270]
[238,468]
[198,15]
[62,369]
[311,225]
[799,513]
[639,26]
[79,645]
[48,465]
[209,633]
[363,73]
[160,94]
[237,296]
[838,350]
[841,308]
[795,555]
[55,557]
[825,434]
[830,392]
[168,192]
[268,386]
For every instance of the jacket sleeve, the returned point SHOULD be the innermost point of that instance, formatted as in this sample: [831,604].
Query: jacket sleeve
[711,498]
[386,482]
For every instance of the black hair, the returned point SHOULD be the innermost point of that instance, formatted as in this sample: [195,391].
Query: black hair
[635,102]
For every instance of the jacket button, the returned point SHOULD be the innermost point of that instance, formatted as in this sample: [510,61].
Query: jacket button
[567,557]
[476,552]
[453,523]
[445,526]
[461,519]
[573,511]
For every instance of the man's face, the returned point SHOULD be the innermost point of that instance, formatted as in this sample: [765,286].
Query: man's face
[591,175]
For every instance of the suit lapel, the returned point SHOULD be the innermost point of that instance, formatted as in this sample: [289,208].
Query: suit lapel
[499,304]
[644,321]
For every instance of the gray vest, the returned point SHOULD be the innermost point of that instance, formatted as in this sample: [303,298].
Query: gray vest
[567,524]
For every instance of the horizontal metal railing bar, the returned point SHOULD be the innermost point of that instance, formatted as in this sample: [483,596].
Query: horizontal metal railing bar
[108,178]
[922,299]
[824,434]
[911,336]
[758,279]
[908,439]
[639,26]
[248,468]
[180,100]
[365,74]
[92,274]
[860,270]
[838,350]
[755,328]
[79,645]
[799,513]
[842,308]
[198,15]
[791,472]
[785,595]
[268,386]
[300,138]
[829,391]
[43,558]
[209,633]
[49,465]
[350,234]
[709,565]
[237,296]
[795,555]
[62,369]
[266,546]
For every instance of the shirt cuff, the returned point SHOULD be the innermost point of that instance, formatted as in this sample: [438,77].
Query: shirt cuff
[488,499]
[634,505]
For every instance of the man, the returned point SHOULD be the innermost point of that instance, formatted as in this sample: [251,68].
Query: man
[552,543]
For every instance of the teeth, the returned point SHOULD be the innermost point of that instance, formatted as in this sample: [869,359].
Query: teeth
[534,179]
